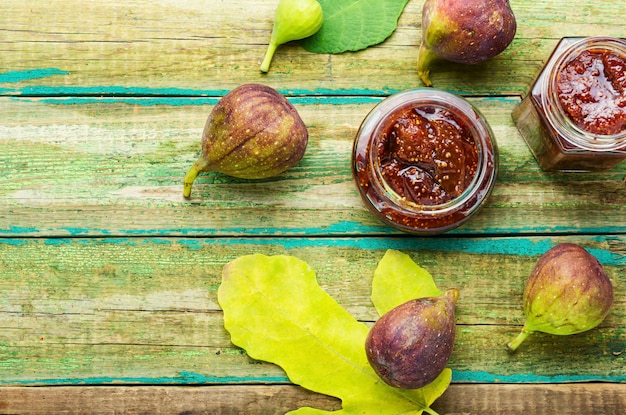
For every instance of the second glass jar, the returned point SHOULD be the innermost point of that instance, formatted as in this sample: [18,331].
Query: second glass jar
[574,118]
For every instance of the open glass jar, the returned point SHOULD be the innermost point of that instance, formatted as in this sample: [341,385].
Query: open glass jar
[424,161]
[574,118]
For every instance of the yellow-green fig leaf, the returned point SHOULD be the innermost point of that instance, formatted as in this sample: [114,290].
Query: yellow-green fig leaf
[398,279]
[275,309]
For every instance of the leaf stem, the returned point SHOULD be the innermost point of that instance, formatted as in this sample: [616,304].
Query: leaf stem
[430,411]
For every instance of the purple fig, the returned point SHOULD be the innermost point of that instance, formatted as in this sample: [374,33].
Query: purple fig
[568,292]
[464,31]
[252,133]
[410,345]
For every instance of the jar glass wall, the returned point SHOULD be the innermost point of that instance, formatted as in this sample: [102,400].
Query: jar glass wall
[424,161]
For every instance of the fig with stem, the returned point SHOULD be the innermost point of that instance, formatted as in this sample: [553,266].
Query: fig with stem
[410,345]
[568,292]
[293,20]
[463,31]
[253,132]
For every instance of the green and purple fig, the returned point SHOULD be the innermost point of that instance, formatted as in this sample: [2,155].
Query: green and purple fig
[409,346]
[568,292]
[464,31]
[253,132]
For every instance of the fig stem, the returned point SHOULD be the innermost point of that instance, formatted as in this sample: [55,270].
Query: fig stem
[269,54]
[512,346]
[200,165]
[425,60]
[430,411]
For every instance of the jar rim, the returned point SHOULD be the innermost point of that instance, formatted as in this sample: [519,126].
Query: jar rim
[473,121]
[559,119]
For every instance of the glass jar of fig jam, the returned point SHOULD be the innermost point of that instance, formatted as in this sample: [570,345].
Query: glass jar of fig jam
[424,161]
[574,118]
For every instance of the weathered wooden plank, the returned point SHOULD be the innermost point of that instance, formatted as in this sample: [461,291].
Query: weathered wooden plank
[101,112]
[166,46]
[115,167]
[214,400]
[145,311]
[116,348]
[568,399]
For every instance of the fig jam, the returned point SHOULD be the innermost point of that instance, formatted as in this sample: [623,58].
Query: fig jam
[574,119]
[427,156]
[592,91]
[424,161]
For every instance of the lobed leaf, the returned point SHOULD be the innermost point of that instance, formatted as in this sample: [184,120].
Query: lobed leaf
[397,279]
[351,25]
[275,310]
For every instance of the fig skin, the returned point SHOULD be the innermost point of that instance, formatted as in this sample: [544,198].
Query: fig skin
[409,346]
[468,31]
[253,132]
[568,292]
[293,20]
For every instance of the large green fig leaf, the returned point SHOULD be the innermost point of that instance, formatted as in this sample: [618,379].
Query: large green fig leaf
[397,279]
[351,25]
[275,310]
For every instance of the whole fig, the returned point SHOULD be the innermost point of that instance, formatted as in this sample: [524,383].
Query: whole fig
[410,345]
[568,292]
[467,31]
[293,20]
[253,132]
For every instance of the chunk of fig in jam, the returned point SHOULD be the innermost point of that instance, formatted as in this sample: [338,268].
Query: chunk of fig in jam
[428,157]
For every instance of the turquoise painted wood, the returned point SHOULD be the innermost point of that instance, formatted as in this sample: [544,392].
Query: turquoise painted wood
[144,310]
[77,166]
[109,277]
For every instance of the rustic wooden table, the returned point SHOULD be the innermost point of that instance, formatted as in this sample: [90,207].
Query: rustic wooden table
[108,276]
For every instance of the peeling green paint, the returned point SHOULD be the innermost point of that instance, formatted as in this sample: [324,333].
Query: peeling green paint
[191,378]
[30,74]
[518,246]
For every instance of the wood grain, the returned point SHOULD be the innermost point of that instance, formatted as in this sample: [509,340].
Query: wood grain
[145,310]
[116,168]
[108,277]
[575,399]
[189,47]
